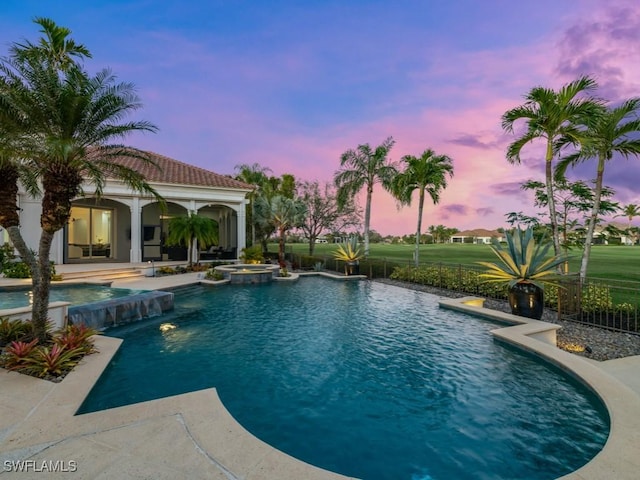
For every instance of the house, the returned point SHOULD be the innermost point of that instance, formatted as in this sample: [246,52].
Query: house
[613,233]
[478,236]
[126,226]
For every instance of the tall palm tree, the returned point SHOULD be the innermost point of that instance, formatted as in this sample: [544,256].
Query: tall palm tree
[363,167]
[62,124]
[53,47]
[555,117]
[615,131]
[192,231]
[427,174]
[56,50]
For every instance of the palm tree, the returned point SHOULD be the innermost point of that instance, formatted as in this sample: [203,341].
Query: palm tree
[255,175]
[630,211]
[54,47]
[614,131]
[364,167]
[556,118]
[425,174]
[62,124]
[283,213]
[192,231]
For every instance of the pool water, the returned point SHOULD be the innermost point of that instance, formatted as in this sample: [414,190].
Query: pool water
[364,379]
[75,294]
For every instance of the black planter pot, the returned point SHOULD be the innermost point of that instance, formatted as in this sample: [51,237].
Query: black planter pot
[526,300]
[352,268]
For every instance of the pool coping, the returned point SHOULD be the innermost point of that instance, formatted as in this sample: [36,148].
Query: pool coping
[618,458]
[196,433]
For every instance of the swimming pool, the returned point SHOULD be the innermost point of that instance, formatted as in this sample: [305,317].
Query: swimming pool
[365,379]
[76,294]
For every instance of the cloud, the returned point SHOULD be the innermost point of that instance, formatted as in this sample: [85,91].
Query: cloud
[604,45]
[485,211]
[473,141]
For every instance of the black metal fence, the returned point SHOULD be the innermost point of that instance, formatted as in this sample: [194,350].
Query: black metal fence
[604,303]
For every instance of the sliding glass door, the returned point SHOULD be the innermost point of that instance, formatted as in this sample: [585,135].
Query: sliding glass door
[90,233]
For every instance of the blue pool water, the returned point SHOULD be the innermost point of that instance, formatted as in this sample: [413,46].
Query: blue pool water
[76,294]
[364,379]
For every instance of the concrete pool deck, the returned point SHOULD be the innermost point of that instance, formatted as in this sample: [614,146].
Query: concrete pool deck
[193,436]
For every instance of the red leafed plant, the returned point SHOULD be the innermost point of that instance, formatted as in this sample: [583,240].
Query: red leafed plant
[17,352]
[76,337]
[55,361]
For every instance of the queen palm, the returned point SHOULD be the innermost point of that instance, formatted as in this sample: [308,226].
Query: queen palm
[427,174]
[62,123]
[615,131]
[192,230]
[360,168]
[555,117]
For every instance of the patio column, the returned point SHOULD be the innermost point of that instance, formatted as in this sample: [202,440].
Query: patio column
[241,227]
[135,254]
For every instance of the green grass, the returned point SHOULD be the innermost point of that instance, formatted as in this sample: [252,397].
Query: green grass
[607,261]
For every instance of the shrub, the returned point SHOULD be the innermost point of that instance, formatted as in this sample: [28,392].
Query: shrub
[252,254]
[12,330]
[596,298]
[22,270]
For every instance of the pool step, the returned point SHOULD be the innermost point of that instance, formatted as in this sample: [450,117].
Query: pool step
[104,274]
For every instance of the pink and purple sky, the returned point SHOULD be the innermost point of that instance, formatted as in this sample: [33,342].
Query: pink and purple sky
[293,84]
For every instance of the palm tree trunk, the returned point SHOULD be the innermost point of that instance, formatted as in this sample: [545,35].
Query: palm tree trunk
[281,248]
[367,219]
[552,203]
[591,225]
[420,207]
[41,280]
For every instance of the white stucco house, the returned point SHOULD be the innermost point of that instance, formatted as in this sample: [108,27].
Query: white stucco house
[477,236]
[125,226]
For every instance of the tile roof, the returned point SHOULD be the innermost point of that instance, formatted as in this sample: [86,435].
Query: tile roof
[478,232]
[179,173]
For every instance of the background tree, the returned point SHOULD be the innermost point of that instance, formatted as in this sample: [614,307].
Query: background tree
[284,214]
[324,214]
[630,211]
[257,176]
[556,118]
[427,174]
[574,201]
[62,123]
[614,131]
[360,168]
[192,231]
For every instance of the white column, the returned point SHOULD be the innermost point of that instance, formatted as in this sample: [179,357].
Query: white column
[135,254]
[241,227]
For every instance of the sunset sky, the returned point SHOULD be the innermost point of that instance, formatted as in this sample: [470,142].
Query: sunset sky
[293,84]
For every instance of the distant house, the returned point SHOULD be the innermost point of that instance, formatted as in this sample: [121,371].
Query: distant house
[478,236]
[126,226]
[602,234]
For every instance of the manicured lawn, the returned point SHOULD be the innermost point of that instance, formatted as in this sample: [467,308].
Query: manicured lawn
[607,261]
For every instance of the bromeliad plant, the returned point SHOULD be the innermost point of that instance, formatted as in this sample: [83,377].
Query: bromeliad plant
[525,266]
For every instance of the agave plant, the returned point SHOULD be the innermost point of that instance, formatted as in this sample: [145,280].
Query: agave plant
[522,260]
[348,251]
